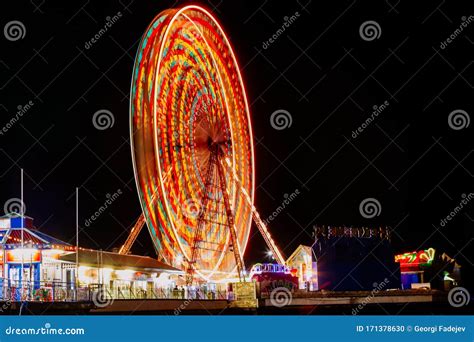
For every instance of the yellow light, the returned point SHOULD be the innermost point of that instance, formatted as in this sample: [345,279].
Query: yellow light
[107,274]
[87,274]
[125,274]
[25,255]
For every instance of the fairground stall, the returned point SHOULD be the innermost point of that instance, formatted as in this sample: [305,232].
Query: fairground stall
[123,276]
[302,261]
[37,266]
[29,258]
[428,268]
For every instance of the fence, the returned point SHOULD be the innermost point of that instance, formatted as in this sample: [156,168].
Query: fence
[130,292]
[14,291]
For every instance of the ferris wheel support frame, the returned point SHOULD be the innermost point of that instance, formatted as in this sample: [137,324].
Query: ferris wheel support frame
[136,229]
[255,215]
[214,164]
[262,227]
[230,220]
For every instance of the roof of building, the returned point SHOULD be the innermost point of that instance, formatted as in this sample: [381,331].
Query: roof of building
[14,215]
[115,260]
[16,228]
[49,238]
[298,250]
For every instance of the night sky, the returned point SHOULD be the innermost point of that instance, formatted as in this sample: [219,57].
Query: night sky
[413,158]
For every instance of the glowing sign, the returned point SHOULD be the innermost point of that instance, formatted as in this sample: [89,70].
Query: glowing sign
[269,268]
[416,259]
[246,295]
[26,255]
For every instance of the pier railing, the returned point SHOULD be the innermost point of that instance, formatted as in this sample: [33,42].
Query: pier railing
[130,292]
[15,291]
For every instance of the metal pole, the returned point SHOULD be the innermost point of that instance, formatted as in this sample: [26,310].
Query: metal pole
[98,266]
[22,237]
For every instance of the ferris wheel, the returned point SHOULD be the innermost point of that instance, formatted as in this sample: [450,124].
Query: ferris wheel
[192,146]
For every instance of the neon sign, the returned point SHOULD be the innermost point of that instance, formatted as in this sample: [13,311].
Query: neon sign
[269,268]
[416,259]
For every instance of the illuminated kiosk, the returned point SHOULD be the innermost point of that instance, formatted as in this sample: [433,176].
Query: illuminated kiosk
[302,261]
[428,268]
[36,256]
[270,277]
[123,276]
[49,268]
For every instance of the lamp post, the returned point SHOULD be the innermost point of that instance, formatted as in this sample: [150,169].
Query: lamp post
[77,242]
[22,228]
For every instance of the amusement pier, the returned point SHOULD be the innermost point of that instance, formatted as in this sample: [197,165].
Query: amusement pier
[193,158]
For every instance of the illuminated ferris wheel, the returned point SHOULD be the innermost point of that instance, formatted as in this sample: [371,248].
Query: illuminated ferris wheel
[192,146]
